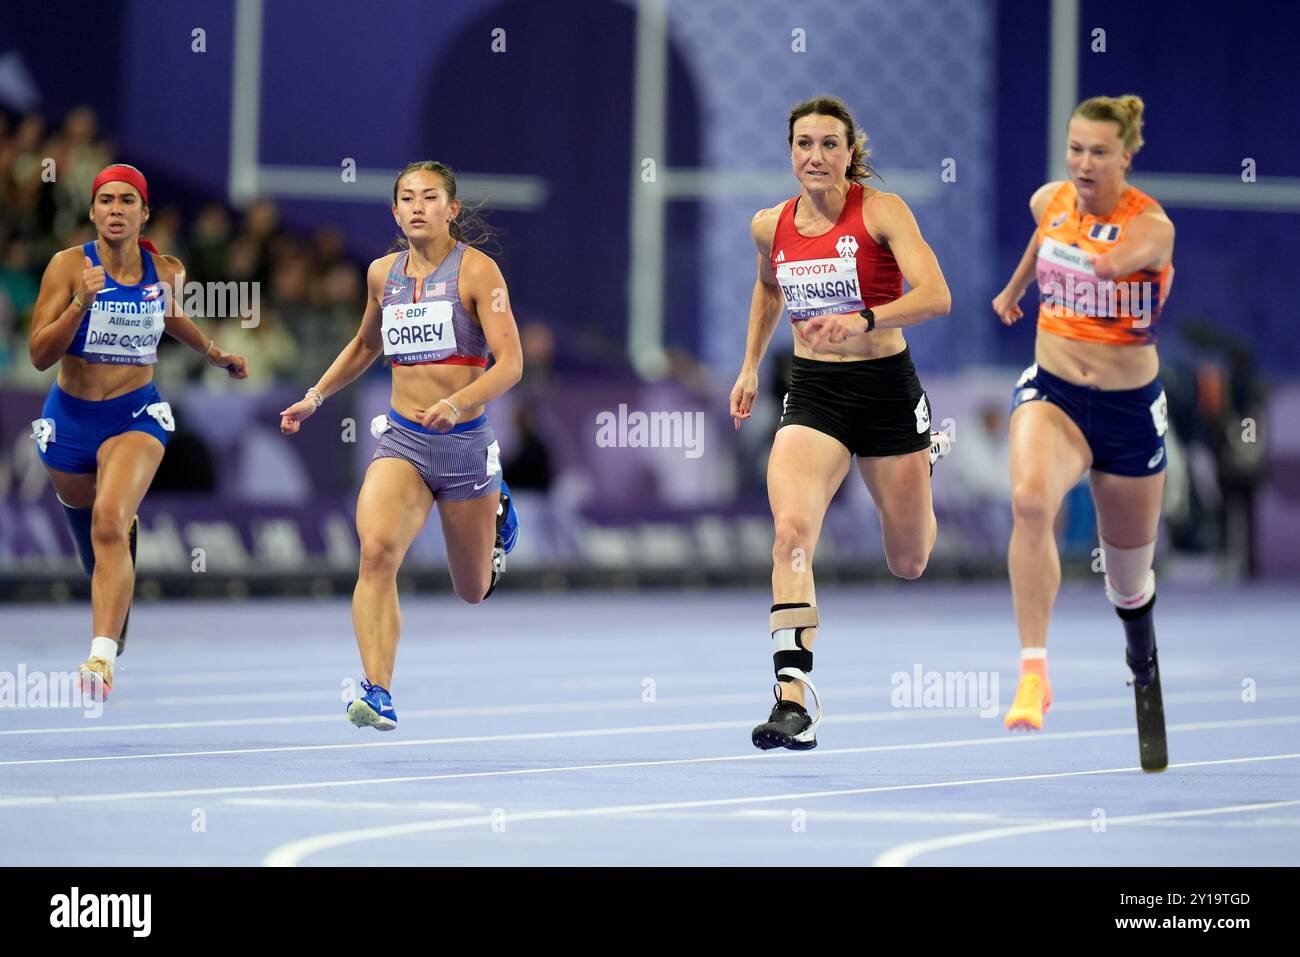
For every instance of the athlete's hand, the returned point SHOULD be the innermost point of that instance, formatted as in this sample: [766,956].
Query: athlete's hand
[832,329]
[293,417]
[1007,306]
[743,394]
[1101,265]
[237,366]
[92,281]
[438,417]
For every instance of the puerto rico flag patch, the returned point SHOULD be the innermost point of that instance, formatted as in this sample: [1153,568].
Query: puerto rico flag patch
[1105,232]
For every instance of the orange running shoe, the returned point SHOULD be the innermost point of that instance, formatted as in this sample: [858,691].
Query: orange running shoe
[1033,699]
[95,677]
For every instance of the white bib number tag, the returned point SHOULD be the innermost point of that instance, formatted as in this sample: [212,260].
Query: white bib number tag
[161,412]
[1160,414]
[418,332]
[819,287]
[118,335]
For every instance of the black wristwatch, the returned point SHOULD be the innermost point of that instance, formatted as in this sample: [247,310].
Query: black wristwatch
[870,317]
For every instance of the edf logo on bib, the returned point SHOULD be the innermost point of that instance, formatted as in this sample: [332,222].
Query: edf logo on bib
[847,247]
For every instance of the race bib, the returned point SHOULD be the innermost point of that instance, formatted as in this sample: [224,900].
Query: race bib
[820,287]
[1066,278]
[418,332]
[125,332]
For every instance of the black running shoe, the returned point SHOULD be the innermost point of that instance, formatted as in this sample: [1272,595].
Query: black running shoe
[788,726]
[132,537]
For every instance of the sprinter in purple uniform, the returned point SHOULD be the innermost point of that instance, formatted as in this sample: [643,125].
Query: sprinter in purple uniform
[434,311]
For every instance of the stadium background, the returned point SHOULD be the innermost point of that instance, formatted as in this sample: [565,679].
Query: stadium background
[621,149]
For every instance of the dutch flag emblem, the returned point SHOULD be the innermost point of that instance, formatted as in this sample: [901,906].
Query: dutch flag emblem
[1106,232]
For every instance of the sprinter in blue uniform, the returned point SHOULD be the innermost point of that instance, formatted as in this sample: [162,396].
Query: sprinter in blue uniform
[102,310]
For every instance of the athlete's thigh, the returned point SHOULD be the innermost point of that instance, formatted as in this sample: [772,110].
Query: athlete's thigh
[76,489]
[1049,453]
[1128,507]
[900,487]
[469,527]
[127,465]
[804,470]
[393,504]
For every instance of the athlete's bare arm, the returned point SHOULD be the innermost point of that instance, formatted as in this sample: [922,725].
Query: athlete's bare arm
[890,222]
[357,356]
[765,307]
[1148,243]
[179,326]
[484,294]
[1007,303]
[55,318]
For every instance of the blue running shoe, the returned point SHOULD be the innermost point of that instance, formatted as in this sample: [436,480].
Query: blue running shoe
[507,535]
[507,520]
[374,709]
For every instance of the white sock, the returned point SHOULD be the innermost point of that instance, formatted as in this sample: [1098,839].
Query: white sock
[105,648]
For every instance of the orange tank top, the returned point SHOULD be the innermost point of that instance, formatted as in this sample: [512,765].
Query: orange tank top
[1073,302]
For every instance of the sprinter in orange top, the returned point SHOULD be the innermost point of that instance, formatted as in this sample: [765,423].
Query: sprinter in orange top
[1102,254]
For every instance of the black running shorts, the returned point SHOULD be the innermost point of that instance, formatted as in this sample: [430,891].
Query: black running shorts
[873,407]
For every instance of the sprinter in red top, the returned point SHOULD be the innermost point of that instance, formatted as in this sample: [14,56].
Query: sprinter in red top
[1102,253]
[834,258]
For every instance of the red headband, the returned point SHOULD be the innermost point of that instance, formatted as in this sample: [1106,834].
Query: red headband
[121,173]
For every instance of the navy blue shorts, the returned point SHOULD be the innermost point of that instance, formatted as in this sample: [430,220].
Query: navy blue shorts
[71,430]
[1125,428]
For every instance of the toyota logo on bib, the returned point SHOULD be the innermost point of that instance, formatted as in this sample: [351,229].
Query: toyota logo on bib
[847,247]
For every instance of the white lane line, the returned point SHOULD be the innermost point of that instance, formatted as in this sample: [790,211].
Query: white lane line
[328,805]
[904,854]
[472,665]
[596,733]
[890,817]
[635,703]
[631,703]
[1001,740]
[294,852]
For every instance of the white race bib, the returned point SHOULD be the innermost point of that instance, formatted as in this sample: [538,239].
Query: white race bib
[125,332]
[1066,277]
[820,287]
[418,332]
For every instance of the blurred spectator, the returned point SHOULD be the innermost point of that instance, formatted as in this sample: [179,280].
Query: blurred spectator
[529,467]
[210,244]
[981,451]
[1216,400]
[538,343]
